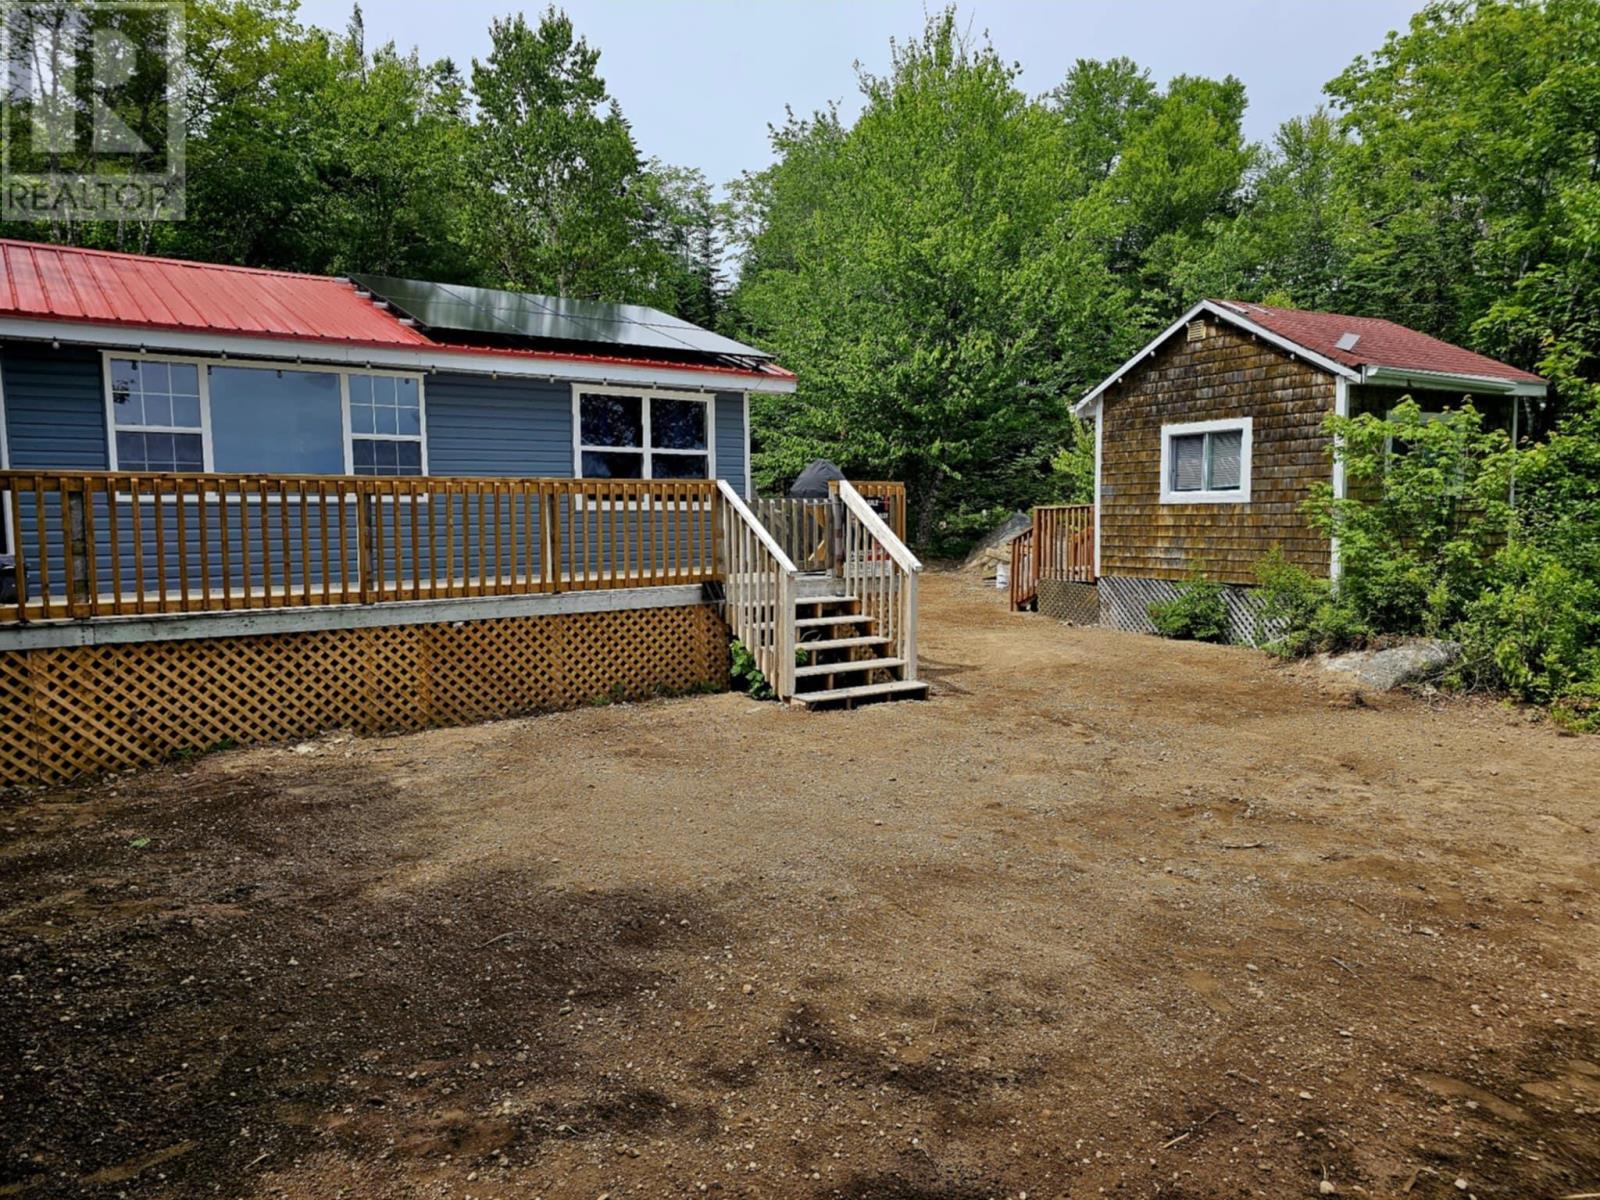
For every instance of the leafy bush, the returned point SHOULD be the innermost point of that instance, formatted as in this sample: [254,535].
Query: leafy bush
[744,672]
[1297,616]
[1536,632]
[1430,544]
[1197,612]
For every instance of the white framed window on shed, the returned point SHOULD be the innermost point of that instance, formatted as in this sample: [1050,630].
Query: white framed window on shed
[639,433]
[1206,462]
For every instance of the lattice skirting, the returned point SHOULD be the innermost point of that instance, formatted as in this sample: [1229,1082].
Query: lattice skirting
[74,710]
[1067,601]
[1125,604]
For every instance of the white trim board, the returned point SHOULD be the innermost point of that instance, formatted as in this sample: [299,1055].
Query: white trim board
[362,358]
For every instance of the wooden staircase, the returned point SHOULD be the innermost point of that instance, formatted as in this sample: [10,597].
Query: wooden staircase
[843,660]
[838,636]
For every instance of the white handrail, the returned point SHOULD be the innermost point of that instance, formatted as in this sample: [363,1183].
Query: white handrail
[879,528]
[767,540]
[880,572]
[759,592]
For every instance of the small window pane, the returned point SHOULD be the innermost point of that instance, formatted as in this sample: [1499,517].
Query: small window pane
[679,466]
[678,425]
[611,421]
[360,390]
[1188,454]
[155,377]
[409,419]
[361,456]
[185,379]
[1225,456]
[158,409]
[186,411]
[125,390]
[598,464]
[130,451]
[188,452]
[361,418]
[384,419]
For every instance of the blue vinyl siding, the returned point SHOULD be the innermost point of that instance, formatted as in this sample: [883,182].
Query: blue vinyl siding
[55,407]
[483,426]
[730,441]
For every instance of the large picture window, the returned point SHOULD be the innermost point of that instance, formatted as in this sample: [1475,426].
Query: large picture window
[1206,462]
[173,415]
[624,434]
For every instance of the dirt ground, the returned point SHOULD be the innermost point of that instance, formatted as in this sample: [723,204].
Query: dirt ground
[1107,915]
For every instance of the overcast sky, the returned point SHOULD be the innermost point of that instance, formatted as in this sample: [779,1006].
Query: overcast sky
[701,80]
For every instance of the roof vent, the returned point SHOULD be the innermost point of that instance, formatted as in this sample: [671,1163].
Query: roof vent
[1348,341]
[1197,330]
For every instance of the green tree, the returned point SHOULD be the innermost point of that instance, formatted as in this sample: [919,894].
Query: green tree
[885,265]
[562,208]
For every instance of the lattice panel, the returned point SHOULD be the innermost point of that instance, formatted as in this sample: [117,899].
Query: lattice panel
[1068,601]
[1125,604]
[69,712]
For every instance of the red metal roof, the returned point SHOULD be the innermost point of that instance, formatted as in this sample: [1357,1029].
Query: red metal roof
[73,284]
[69,283]
[1378,343]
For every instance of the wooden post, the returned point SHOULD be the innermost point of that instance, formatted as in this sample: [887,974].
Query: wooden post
[80,601]
[550,541]
[366,535]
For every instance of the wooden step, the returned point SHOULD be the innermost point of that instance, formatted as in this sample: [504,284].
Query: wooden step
[848,668]
[899,689]
[848,643]
[842,619]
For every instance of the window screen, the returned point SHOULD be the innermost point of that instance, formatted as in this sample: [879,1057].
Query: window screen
[1188,462]
[1223,469]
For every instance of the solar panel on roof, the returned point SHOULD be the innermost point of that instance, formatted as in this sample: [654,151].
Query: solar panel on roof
[462,309]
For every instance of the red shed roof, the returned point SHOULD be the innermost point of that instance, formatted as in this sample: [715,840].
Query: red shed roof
[73,284]
[1353,347]
[1374,342]
[102,287]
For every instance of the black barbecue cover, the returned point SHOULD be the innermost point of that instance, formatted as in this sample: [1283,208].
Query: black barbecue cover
[812,483]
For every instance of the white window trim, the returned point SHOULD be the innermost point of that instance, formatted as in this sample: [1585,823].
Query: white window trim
[111,409]
[343,373]
[1239,496]
[580,390]
[350,434]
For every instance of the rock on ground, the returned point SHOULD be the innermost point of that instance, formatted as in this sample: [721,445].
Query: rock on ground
[1383,670]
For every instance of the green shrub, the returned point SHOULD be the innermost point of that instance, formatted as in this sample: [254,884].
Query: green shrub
[1536,631]
[745,674]
[1197,612]
[1296,613]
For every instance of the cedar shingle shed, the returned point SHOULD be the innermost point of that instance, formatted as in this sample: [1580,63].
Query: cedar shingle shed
[1208,440]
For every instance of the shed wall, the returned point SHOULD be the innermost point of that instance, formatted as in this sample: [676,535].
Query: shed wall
[1222,375]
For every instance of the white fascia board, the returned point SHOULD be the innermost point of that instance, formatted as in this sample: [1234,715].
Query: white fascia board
[420,358]
[1443,381]
[1238,320]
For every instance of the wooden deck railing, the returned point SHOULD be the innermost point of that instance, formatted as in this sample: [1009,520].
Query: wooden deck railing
[114,544]
[1058,546]
[890,494]
[1024,583]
